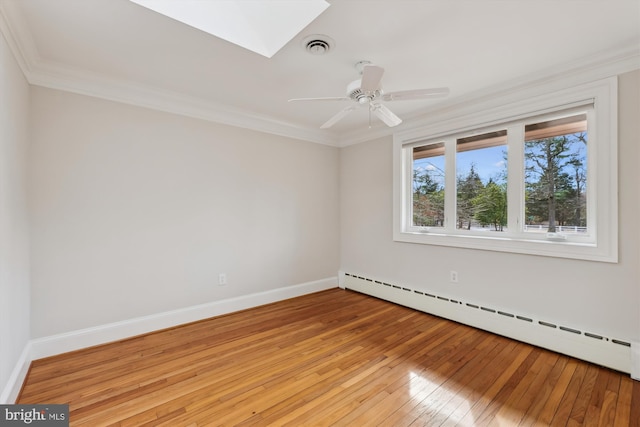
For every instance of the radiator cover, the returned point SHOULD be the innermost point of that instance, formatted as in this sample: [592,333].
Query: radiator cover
[590,346]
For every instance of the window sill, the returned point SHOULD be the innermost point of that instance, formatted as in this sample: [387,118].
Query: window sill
[520,245]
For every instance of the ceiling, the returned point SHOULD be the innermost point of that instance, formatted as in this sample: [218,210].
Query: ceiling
[119,50]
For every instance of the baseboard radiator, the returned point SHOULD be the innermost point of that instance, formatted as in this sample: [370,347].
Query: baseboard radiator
[593,347]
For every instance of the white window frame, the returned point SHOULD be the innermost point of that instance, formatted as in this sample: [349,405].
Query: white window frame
[600,243]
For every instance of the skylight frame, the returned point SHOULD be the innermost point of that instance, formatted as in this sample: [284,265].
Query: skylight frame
[261,26]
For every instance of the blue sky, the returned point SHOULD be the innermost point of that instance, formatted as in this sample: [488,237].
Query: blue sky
[489,163]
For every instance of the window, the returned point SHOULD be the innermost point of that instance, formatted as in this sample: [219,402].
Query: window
[535,177]
[556,175]
[428,185]
[481,184]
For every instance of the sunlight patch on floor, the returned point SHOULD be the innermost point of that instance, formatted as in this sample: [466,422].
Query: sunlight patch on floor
[440,400]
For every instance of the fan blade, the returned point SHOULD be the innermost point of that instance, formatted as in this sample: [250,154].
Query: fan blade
[335,119]
[384,114]
[371,78]
[333,98]
[416,94]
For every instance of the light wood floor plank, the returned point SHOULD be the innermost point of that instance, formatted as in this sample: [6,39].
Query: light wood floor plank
[333,358]
[634,416]
[555,397]
[565,406]
[543,390]
[590,386]
[437,404]
[623,407]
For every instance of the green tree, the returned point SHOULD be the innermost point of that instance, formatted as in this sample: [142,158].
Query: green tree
[580,202]
[428,199]
[468,189]
[548,187]
[491,206]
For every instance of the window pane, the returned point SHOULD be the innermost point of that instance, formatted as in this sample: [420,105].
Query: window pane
[481,198]
[556,175]
[428,185]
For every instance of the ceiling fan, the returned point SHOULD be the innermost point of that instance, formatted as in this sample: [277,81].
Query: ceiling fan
[367,91]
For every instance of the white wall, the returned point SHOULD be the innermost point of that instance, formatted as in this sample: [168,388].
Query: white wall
[594,296]
[14,260]
[136,212]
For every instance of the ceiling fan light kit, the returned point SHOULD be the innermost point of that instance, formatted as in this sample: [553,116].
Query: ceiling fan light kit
[367,90]
[384,114]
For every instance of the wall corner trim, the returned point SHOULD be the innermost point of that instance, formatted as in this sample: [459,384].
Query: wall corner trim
[341,278]
[12,389]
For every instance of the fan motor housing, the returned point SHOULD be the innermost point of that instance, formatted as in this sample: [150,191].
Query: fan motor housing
[355,92]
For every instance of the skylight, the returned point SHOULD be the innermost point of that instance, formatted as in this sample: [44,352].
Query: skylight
[262,26]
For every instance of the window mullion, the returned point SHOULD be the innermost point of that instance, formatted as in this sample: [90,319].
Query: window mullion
[592,173]
[515,178]
[450,184]
[407,188]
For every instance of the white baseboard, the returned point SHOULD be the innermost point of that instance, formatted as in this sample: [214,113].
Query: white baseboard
[75,340]
[19,373]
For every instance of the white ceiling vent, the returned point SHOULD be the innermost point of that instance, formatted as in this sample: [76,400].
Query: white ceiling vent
[318,44]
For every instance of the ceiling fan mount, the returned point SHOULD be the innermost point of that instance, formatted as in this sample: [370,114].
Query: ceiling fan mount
[367,90]
[354,92]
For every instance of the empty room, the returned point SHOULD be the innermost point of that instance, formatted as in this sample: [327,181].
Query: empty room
[320,212]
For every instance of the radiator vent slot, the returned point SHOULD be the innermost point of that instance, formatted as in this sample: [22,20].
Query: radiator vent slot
[573,331]
[598,337]
[626,344]
[507,316]
[551,325]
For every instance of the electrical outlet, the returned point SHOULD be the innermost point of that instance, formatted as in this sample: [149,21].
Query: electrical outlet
[453,276]
[222,279]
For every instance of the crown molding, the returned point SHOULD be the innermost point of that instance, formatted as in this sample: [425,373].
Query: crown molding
[611,62]
[39,72]
[21,53]
[57,76]
[91,84]
[82,82]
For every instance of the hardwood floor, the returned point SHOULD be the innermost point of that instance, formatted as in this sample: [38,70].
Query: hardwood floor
[331,358]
